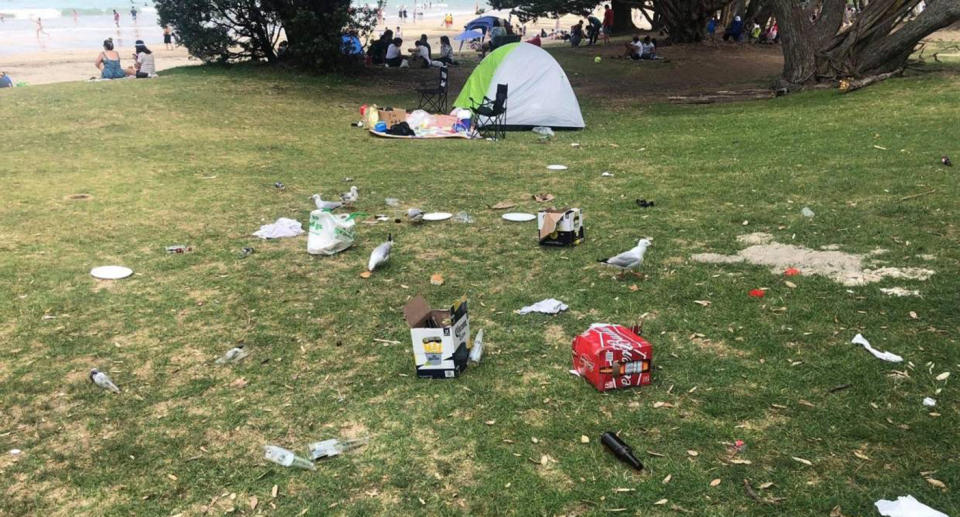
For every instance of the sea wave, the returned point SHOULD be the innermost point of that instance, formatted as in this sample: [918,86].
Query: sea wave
[30,13]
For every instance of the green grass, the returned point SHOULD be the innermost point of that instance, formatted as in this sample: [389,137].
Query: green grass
[180,436]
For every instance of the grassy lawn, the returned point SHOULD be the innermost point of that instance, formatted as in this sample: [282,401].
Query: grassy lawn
[192,158]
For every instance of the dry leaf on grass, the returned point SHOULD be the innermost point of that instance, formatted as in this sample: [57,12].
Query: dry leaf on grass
[693,453]
[253,502]
[705,303]
[913,315]
[740,461]
[624,489]
[661,502]
[715,482]
[943,376]
[436,279]
[790,284]
[275,491]
[584,438]
[490,422]
[660,404]
[667,479]
[634,287]
[365,274]
[503,205]
[937,483]
[836,512]
[654,453]
[861,455]
[801,460]
[239,383]
[543,197]
[764,486]
[174,478]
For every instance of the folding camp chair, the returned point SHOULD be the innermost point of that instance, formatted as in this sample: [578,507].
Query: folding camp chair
[492,113]
[435,99]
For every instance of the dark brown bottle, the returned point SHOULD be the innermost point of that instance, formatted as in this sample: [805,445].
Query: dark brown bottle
[620,450]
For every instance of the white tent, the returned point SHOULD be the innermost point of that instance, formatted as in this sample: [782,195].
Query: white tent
[538,92]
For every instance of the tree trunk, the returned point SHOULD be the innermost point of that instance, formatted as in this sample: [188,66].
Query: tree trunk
[879,41]
[622,17]
[686,20]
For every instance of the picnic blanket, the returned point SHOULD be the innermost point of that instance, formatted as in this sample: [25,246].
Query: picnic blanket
[427,127]
[438,134]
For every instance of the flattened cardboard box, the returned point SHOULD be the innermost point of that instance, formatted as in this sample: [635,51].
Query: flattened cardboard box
[612,356]
[563,227]
[440,338]
[392,116]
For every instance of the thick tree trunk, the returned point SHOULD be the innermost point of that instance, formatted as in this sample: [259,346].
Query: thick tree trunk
[623,17]
[686,20]
[879,41]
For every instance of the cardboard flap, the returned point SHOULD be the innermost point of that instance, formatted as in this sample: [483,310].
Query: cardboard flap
[416,311]
[550,219]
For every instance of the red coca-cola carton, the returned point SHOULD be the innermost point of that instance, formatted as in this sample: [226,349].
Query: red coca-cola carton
[612,356]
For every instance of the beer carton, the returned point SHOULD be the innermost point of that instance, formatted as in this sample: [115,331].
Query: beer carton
[563,227]
[612,356]
[441,338]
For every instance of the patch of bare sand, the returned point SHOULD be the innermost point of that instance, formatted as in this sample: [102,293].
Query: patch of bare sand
[848,269]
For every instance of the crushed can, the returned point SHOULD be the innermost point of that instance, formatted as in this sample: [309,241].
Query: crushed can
[612,357]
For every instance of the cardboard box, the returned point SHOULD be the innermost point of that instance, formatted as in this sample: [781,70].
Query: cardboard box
[612,356]
[440,338]
[392,116]
[563,227]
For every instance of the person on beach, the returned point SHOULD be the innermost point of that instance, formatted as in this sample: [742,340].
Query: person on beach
[40,30]
[144,65]
[168,37]
[108,62]
[5,80]
[133,13]
[446,51]
[76,17]
[116,18]
[423,41]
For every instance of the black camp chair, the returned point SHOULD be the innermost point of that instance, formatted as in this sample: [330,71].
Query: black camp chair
[491,113]
[434,100]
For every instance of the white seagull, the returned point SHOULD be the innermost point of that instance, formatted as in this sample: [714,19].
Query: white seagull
[103,380]
[380,254]
[415,215]
[325,205]
[351,197]
[628,259]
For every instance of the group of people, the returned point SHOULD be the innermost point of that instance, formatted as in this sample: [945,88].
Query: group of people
[595,28]
[108,62]
[388,50]
[737,31]
[645,49]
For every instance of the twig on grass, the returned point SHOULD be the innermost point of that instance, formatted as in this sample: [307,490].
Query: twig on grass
[914,196]
[839,388]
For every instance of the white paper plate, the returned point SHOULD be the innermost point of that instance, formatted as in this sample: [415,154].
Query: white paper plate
[557,167]
[437,216]
[519,217]
[111,272]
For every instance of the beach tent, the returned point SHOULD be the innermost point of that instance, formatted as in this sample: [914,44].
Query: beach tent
[538,92]
[483,24]
[467,36]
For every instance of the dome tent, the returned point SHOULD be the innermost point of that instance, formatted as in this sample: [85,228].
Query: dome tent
[538,92]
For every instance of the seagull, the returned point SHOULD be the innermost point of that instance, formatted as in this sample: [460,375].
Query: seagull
[946,161]
[103,380]
[380,254]
[325,205]
[628,259]
[350,197]
[415,215]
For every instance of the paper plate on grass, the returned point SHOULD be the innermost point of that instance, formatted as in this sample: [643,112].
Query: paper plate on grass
[111,272]
[557,167]
[519,217]
[437,216]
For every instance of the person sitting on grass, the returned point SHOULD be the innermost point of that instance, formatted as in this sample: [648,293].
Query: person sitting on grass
[144,66]
[576,34]
[108,62]
[446,51]
[633,48]
[394,57]
[378,49]
[420,55]
[425,44]
[5,80]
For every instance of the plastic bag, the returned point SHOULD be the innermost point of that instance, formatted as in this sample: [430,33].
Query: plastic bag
[418,119]
[371,116]
[544,132]
[330,234]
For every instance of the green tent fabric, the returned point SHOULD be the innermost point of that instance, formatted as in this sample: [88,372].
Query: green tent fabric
[479,82]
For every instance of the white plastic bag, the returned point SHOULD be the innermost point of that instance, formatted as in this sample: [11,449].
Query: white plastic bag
[418,119]
[329,233]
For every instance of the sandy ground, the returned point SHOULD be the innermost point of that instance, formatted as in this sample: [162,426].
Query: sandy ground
[77,65]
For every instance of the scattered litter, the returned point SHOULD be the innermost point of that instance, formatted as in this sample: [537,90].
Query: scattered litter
[846,268]
[518,217]
[15,452]
[806,212]
[606,174]
[246,252]
[436,279]
[463,217]
[415,215]
[503,205]
[79,197]
[929,402]
[111,272]
[621,450]
[943,376]
[757,293]
[437,216]
[906,506]
[439,337]
[392,201]
[283,227]
[278,185]
[557,167]
[791,271]
[330,234]
[233,355]
[575,144]
[381,218]
[543,132]
[899,291]
[643,203]
[380,254]
[886,356]
[880,148]
[476,352]
[366,274]
[573,372]
[542,197]
[103,380]
[179,248]
[334,447]
[946,161]
[548,306]
[281,456]
[629,259]
[612,356]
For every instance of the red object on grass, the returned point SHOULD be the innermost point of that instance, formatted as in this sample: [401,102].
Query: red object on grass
[612,357]
[791,271]
[363,110]
[757,293]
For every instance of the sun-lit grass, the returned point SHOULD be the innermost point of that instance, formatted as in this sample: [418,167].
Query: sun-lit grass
[192,159]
